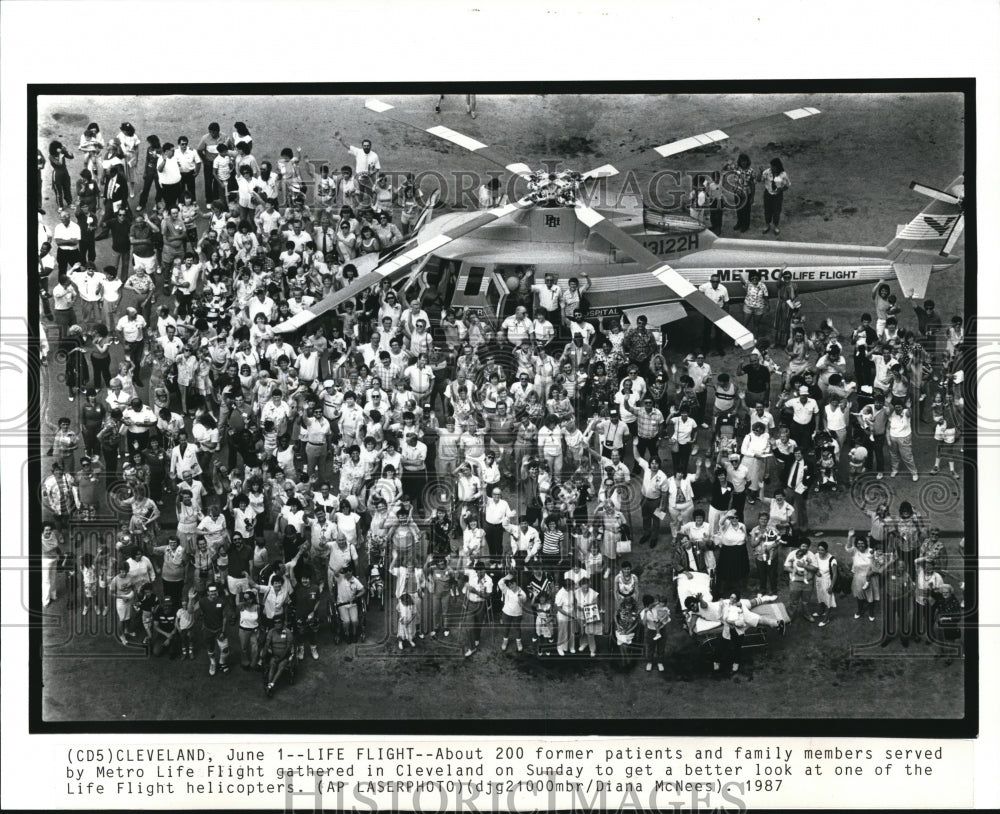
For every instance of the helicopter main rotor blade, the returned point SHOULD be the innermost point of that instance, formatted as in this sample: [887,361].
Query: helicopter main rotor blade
[956,233]
[668,276]
[936,194]
[397,266]
[472,145]
[704,139]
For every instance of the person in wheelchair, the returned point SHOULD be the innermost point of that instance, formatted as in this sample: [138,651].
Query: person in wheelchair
[279,653]
[345,593]
[736,616]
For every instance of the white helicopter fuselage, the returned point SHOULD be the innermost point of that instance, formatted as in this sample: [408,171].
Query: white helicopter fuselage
[553,241]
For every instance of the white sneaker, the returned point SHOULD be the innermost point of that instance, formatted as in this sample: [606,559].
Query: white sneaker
[893,473]
[85,609]
[916,478]
[315,651]
[401,645]
[659,667]
[211,668]
[649,667]
[857,616]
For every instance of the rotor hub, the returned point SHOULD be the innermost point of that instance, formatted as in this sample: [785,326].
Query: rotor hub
[554,188]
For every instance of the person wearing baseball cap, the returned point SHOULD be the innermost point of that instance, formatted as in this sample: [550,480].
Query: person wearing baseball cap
[804,412]
[131,332]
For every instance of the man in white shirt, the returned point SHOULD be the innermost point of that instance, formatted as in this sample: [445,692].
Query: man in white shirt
[720,296]
[315,433]
[297,236]
[171,344]
[524,540]
[366,161]
[222,170]
[168,170]
[189,163]
[655,491]
[184,458]
[131,330]
[578,326]
[420,377]
[804,412]
[139,420]
[261,304]
[307,363]
[612,432]
[517,328]
[548,296]
[410,317]
[88,283]
[543,330]
[67,236]
[276,410]
[496,513]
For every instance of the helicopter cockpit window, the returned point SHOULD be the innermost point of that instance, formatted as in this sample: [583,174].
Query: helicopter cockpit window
[475,280]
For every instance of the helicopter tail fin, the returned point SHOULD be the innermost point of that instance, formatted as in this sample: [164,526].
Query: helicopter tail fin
[931,235]
[936,229]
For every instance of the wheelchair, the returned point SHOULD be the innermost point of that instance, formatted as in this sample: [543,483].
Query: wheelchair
[288,664]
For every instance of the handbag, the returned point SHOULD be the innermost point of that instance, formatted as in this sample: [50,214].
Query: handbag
[623,546]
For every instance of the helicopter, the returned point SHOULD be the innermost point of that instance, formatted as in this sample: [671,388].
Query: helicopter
[647,262]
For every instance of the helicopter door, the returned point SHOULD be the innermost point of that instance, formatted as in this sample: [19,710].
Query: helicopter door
[496,295]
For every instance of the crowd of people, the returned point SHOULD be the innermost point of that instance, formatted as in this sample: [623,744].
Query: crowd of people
[462,474]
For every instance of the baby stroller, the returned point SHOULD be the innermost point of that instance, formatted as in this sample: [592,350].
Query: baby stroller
[376,563]
[724,434]
[376,586]
[827,460]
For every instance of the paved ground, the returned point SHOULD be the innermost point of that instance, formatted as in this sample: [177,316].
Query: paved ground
[850,168]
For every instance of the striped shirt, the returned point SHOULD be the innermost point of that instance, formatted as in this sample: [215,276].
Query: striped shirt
[552,541]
